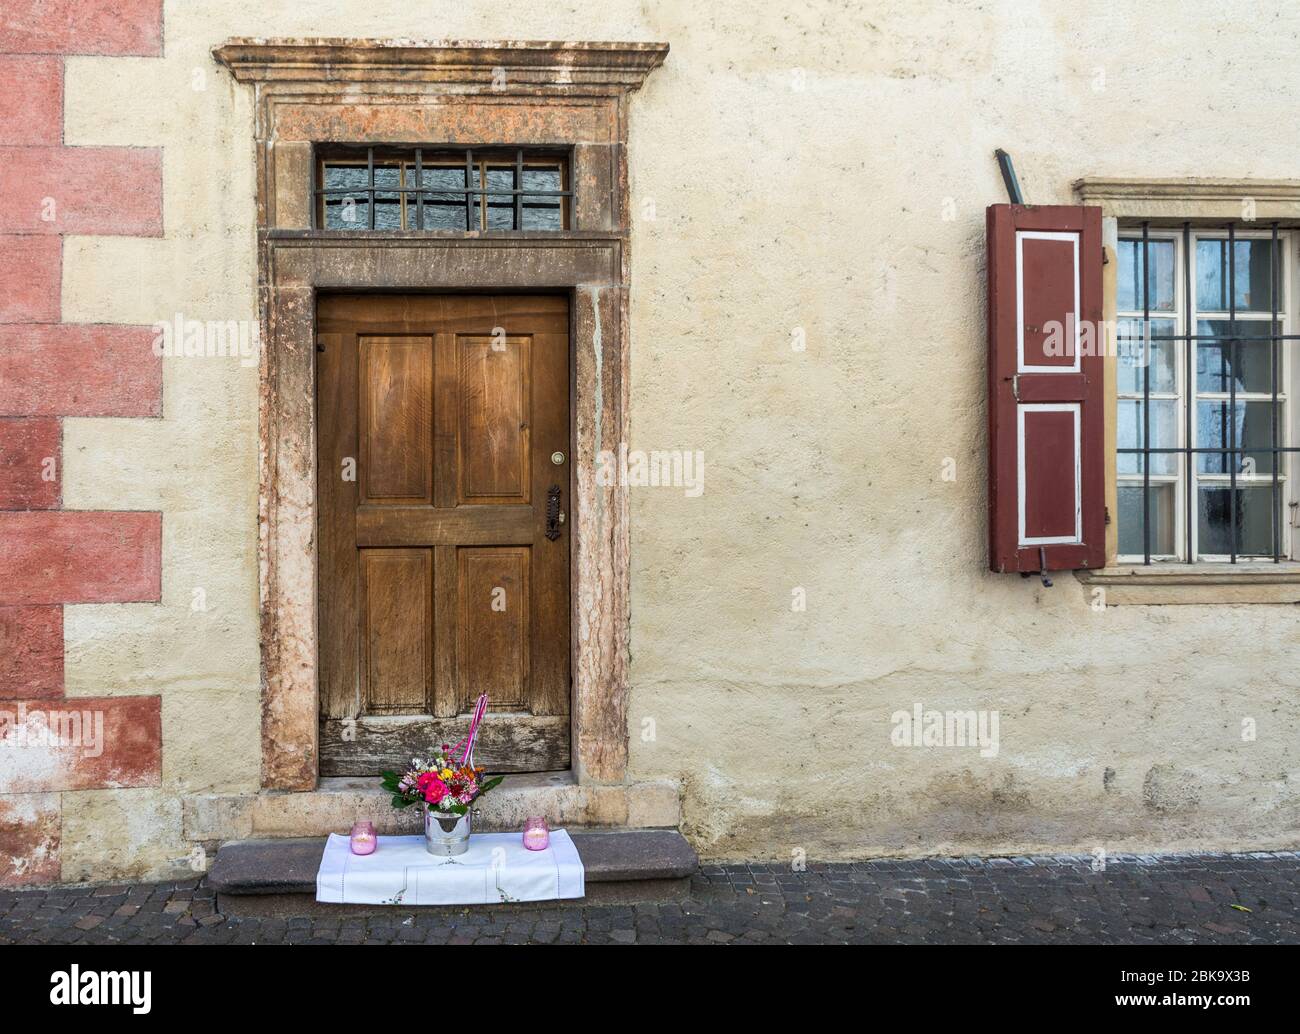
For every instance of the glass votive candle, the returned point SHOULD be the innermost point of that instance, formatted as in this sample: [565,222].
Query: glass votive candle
[363,838]
[537,834]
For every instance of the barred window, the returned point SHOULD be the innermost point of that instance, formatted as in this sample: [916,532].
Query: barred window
[417,188]
[1205,375]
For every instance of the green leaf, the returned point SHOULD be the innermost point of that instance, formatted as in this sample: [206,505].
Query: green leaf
[401,802]
[494,781]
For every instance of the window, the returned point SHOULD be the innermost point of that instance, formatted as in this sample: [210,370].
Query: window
[1205,376]
[436,189]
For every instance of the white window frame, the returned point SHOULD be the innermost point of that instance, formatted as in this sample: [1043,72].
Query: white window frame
[1185,316]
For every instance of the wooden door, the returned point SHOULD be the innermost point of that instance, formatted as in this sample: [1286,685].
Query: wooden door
[443,440]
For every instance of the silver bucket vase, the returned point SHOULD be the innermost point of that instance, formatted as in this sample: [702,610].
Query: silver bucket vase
[445,834]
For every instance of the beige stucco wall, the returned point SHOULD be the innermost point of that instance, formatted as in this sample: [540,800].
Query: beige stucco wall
[821,167]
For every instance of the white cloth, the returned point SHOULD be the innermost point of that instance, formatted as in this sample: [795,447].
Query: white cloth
[497,867]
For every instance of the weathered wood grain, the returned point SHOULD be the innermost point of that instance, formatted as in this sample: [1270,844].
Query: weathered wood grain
[507,742]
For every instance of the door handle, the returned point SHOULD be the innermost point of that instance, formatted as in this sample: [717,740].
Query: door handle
[554,515]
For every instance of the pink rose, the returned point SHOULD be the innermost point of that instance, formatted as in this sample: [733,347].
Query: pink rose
[433,788]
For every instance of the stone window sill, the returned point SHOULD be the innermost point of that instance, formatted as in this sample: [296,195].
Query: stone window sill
[1194,583]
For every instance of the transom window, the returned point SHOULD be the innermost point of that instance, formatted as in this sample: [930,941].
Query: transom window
[437,189]
[1205,430]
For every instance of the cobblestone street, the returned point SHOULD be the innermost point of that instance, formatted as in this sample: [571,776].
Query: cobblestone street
[1223,899]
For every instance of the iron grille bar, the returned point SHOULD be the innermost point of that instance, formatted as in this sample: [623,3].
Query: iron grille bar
[370,177]
[459,190]
[1273,349]
[419,195]
[1189,389]
[1209,337]
[469,204]
[519,186]
[1234,366]
[1146,395]
[1207,449]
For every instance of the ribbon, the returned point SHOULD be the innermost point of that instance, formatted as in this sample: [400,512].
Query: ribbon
[480,708]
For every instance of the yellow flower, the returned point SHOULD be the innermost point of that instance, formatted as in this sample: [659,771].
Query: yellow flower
[445,773]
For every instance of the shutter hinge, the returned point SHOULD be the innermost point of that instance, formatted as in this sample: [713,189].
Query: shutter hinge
[1106,511]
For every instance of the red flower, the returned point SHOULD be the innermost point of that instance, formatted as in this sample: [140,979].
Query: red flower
[433,788]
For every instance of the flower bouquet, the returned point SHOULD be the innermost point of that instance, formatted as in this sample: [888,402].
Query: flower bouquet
[445,786]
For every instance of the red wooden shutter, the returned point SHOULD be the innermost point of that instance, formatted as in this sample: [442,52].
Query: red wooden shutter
[1046,401]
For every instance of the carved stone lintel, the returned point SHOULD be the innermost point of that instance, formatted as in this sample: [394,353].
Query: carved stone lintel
[503,65]
[1191,198]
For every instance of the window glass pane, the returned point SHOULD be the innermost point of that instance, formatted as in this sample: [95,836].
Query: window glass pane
[501,207]
[1215,369]
[1160,279]
[1253,429]
[1164,435]
[1253,275]
[1163,500]
[444,202]
[345,177]
[1133,350]
[350,209]
[388,204]
[1254,516]
[540,212]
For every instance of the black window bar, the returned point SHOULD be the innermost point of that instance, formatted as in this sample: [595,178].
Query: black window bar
[472,190]
[1232,452]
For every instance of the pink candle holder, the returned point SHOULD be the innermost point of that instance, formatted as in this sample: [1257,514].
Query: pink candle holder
[537,834]
[363,838]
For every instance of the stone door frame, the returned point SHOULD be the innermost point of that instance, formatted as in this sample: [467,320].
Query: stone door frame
[573,95]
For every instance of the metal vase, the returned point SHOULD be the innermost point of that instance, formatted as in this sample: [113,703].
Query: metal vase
[445,834]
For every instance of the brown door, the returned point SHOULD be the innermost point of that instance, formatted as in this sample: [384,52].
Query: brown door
[443,443]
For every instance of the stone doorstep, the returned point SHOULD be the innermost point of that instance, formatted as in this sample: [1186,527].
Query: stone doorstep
[338,802]
[297,906]
[621,866]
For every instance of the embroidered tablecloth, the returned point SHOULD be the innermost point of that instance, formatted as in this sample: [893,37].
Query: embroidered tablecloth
[496,868]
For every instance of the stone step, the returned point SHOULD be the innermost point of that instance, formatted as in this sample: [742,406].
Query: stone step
[278,877]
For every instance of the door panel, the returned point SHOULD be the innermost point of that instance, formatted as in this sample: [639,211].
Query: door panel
[493,436]
[396,630]
[492,647]
[396,382]
[437,578]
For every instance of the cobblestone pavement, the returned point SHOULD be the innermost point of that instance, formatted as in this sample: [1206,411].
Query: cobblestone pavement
[1216,899]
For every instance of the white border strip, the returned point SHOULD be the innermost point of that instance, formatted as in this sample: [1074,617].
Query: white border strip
[1043,235]
[1049,407]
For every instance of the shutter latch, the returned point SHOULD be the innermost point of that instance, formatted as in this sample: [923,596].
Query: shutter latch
[1042,568]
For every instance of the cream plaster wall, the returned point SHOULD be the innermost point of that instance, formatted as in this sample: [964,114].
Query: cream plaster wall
[825,167]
